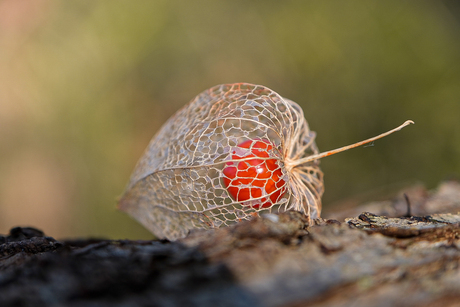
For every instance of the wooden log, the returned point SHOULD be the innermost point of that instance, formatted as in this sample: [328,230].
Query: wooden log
[274,260]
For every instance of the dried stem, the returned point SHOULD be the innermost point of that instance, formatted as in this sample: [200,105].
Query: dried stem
[292,164]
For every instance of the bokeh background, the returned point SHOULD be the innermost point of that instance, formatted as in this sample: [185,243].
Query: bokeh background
[84,85]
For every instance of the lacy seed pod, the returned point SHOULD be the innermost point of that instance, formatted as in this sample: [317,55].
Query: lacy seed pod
[234,151]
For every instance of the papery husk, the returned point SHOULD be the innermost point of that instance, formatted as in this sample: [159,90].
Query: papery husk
[177,185]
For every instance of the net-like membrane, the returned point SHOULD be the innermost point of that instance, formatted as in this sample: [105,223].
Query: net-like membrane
[222,158]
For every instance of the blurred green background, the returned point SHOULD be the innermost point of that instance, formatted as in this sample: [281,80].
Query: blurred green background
[84,85]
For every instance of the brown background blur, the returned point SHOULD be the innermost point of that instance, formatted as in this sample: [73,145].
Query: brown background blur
[84,85]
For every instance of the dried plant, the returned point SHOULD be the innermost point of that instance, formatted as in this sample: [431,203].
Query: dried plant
[234,151]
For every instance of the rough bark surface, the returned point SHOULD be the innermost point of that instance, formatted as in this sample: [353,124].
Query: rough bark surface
[373,259]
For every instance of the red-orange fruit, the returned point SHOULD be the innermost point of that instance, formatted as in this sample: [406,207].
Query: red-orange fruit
[254,178]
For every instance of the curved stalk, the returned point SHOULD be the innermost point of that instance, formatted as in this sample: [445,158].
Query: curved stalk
[292,164]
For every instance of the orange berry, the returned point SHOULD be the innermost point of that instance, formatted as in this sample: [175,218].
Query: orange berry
[253,181]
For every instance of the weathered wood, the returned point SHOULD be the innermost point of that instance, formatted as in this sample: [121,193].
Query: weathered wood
[274,260]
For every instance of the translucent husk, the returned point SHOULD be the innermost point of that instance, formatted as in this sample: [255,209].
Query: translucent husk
[178,183]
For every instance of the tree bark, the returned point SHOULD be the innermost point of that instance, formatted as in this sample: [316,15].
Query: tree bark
[274,260]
